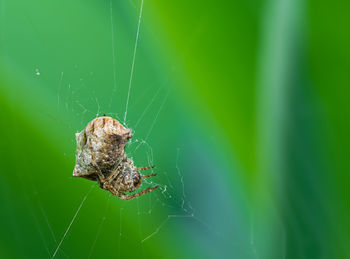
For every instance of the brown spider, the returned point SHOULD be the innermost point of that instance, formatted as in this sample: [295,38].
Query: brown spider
[101,157]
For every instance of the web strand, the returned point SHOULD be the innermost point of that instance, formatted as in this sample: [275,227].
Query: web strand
[133,61]
[154,121]
[147,107]
[70,224]
[103,219]
[163,223]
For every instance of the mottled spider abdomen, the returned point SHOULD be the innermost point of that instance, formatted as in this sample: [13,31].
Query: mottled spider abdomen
[100,147]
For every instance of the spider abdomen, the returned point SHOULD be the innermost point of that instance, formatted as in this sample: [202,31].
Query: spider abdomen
[100,147]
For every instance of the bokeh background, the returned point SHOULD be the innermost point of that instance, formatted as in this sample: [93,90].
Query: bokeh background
[243,106]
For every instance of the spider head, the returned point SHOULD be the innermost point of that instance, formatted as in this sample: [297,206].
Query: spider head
[137,179]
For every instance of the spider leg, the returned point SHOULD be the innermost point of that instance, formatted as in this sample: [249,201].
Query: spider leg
[106,183]
[149,175]
[112,176]
[144,168]
[101,179]
[113,190]
[129,197]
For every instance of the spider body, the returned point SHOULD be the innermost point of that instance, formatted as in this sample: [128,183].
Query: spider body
[101,157]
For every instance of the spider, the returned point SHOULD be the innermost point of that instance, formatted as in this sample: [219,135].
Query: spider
[101,157]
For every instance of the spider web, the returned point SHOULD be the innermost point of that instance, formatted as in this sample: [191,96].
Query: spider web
[191,202]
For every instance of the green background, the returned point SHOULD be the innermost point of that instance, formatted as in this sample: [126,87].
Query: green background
[243,106]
